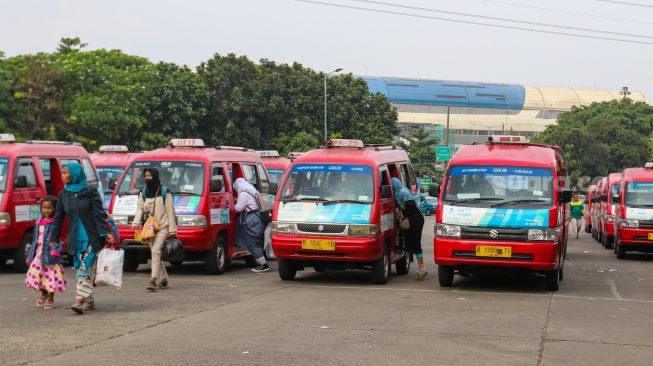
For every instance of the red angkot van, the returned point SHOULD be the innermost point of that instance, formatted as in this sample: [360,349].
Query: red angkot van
[634,204]
[591,191]
[110,161]
[503,204]
[201,181]
[274,164]
[335,210]
[29,172]
[610,189]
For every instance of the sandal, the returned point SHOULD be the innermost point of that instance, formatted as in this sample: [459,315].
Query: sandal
[420,276]
[78,306]
[151,286]
[89,306]
[49,305]
[40,301]
[163,285]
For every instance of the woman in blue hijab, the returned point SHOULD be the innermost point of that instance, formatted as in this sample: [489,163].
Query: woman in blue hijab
[87,230]
[412,238]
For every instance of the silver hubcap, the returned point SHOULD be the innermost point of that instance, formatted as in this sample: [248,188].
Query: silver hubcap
[385,265]
[219,256]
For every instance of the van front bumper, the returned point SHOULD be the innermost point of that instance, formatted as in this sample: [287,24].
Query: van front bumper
[348,249]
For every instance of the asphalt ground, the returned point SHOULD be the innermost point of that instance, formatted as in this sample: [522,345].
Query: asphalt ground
[602,315]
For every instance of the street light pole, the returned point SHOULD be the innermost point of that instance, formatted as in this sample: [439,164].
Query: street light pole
[326,75]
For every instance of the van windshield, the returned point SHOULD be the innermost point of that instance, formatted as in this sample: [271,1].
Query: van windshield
[181,177]
[498,185]
[4,167]
[329,183]
[108,173]
[639,194]
[275,175]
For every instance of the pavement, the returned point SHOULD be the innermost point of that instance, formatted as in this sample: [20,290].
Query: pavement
[602,315]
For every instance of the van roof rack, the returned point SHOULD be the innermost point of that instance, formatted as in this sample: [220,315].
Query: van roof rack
[381,147]
[233,148]
[44,142]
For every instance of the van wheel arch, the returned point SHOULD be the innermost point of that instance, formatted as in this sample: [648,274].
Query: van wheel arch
[20,253]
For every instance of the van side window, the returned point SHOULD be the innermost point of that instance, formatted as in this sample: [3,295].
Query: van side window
[411,174]
[406,175]
[251,176]
[384,178]
[25,167]
[218,173]
[265,183]
[46,170]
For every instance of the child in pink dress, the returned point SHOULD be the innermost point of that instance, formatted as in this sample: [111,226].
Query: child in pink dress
[45,271]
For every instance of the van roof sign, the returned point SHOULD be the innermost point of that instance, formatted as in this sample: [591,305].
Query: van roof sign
[345,143]
[113,148]
[649,165]
[7,137]
[186,143]
[268,153]
[507,139]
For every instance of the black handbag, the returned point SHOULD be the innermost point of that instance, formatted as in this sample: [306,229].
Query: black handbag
[172,250]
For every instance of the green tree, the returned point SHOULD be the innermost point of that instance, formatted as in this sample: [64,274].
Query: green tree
[420,146]
[603,137]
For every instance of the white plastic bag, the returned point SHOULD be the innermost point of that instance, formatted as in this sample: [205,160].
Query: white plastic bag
[109,268]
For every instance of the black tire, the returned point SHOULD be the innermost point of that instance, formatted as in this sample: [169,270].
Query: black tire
[287,269]
[177,263]
[588,229]
[552,280]
[445,276]
[131,262]
[381,269]
[20,254]
[621,252]
[216,260]
[599,237]
[402,266]
[561,273]
[250,261]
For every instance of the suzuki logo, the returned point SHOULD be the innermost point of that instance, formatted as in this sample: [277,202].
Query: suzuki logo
[320,228]
[494,234]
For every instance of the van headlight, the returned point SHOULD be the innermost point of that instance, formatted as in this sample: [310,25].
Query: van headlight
[120,220]
[191,221]
[283,228]
[630,223]
[5,219]
[447,231]
[543,234]
[363,230]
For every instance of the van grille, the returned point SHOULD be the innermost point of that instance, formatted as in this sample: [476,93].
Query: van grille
[322,228]
[514,257]
[483,233]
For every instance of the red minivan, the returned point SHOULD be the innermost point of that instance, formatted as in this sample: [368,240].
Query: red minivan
[28,172]
[335,210]
[110,161]
[634,204]
[503,204]
[201,180]
[610,189]
[274,164]
[591,192]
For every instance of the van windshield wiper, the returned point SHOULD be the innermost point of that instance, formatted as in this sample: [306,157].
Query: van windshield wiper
[478,199]
[331,202]
[639,206]
[284,199]
[517,201]
[185,193]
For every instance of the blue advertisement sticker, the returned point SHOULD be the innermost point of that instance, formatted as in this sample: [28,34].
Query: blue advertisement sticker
[500,170]
[275,171]
[363,169]
[350,213]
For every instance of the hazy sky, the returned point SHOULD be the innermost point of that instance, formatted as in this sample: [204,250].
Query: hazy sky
[361,42]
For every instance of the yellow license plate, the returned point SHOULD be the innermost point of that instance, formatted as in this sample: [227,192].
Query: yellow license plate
[650,236]
[492,251]
[319,244]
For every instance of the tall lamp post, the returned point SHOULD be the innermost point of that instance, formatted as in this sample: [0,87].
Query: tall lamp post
[326,75]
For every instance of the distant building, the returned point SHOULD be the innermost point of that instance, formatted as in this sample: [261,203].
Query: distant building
[478,109]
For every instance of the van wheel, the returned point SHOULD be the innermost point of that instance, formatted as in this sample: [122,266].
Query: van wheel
[20,254]
[607,242]
[177,263]
[403,265]
[445,276]
[621,252]
[381,269]
[131,262]
[216,260]
[553,280]
[561,274]
[287,270]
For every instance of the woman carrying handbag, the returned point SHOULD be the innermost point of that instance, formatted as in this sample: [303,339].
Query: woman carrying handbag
[156,208]
[411,223]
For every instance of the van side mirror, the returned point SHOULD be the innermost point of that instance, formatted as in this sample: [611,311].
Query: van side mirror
[434,191]
[565,196]
[273,188]
[386,192]
[616,199]
[216,185]
[20,181]
[112,184]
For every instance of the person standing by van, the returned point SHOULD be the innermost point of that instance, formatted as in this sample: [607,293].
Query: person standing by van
[413,236]
[577,208]
[87,230]
[249,226]
[155,199]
